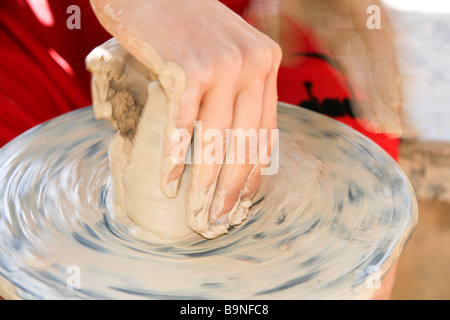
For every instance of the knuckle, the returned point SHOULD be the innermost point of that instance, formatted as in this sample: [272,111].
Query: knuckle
[263,56]
[260,54]
[224,64]
[256,57]
[277,54]
[233,55]
[231,61]
[198,78]
[202,73]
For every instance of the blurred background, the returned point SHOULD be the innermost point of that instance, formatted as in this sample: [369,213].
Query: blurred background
[423,48]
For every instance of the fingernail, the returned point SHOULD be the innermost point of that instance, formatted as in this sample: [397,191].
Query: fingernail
[222,219]
[235,216]
[197,204]
[173,161]
[170,190]
[171,174]
[168,185]
[217,205]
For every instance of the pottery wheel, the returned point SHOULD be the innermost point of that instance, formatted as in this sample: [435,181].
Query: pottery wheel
[303,239]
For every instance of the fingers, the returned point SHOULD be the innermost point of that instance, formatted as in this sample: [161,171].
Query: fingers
[384,83]
[373,53]
[241,153]
[352,57]
[219,192]
[224,65]
[177,138]
[255,117]
[267,140]
[214,118]
[366,55]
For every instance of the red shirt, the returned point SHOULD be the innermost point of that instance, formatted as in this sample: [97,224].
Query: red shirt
[42,71]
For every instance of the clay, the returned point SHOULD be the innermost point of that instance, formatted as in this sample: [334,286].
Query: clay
[138,102]
[337,214]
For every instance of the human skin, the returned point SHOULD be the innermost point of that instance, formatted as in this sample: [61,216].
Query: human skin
[230,71]
[366,55]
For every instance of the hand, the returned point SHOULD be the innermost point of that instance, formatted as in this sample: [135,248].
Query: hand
[366,55]
[226,78]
